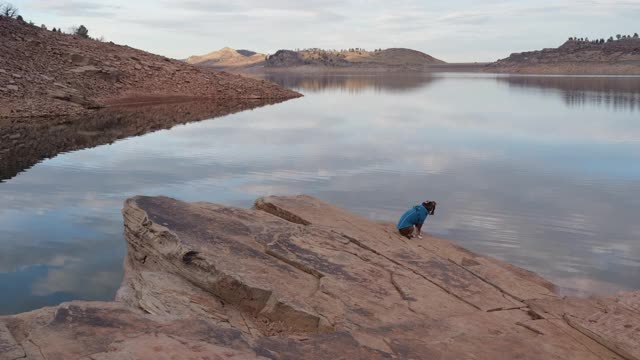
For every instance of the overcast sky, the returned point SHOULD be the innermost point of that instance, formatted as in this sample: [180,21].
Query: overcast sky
[453,30]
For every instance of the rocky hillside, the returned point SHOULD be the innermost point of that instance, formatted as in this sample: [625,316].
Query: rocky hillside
[45,73]
[296,278]
[227,58]
[577,57]
[392,58]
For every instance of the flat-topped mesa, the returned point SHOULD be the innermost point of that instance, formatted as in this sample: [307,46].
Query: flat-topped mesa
[297,278]
[353,58]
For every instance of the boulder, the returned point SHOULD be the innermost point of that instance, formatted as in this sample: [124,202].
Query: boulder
[81,60]
[297,278]
[74,97]
[85,69]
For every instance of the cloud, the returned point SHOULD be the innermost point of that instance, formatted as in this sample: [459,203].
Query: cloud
[458,30]
[467,18]
[75,8]
[80,281]
[217,6]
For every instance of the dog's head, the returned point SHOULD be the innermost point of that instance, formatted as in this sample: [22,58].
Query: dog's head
[430,206]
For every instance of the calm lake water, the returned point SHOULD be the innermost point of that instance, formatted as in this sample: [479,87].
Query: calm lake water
[539,171]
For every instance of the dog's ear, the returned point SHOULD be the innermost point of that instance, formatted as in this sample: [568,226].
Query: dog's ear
[433,207]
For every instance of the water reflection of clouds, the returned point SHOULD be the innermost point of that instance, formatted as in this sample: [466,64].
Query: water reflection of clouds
[509,184]
[53,271]
[75,279]
[482,108]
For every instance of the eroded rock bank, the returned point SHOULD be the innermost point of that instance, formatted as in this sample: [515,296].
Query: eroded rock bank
[296,278]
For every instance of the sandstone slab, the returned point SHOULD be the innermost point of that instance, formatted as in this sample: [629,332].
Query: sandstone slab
[297,278]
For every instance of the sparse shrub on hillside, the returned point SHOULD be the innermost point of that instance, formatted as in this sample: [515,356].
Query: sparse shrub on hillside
[81,31]
[602,41]
[43,27]
[610,39]
[8,10]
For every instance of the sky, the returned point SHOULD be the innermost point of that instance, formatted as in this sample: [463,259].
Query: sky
[453,30]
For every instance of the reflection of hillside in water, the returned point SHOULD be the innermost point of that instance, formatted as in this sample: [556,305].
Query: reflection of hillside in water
[353,83]
[619,93]
[33,141]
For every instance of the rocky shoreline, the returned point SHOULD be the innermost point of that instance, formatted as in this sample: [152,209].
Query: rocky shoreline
[566,68]
[297,278]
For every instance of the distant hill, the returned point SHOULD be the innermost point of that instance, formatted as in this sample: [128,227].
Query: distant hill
[395,57]
[227,58]
[577,56]
[284,60]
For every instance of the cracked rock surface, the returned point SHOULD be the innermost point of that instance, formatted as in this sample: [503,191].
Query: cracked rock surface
[296,278]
